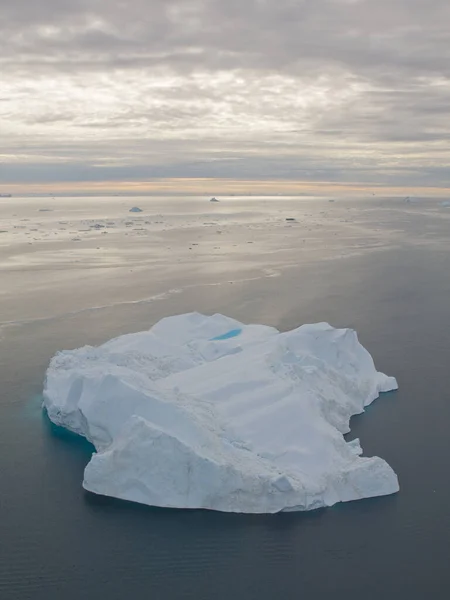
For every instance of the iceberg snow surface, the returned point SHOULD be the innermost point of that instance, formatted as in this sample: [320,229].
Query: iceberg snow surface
[205,412]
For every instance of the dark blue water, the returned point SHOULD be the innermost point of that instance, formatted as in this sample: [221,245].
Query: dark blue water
[59,542]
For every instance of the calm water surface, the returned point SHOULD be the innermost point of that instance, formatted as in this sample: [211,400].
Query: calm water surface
[57,541]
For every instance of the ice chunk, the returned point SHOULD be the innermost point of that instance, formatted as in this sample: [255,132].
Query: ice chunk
[206,412]
[135,209]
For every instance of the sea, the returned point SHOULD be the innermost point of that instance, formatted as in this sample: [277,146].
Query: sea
[79,271]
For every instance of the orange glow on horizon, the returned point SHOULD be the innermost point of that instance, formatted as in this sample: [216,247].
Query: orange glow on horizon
[210,186]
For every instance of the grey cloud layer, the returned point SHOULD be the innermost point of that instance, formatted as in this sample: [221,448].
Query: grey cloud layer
[343,89]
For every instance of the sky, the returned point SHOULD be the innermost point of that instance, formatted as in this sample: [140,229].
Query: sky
[217,96]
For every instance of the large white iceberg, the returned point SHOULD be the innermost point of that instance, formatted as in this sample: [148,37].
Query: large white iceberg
[205,412]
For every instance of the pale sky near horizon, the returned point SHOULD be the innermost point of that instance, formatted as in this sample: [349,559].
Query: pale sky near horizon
[171,95]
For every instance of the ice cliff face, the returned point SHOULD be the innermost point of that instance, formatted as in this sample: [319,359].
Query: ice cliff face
[205,412]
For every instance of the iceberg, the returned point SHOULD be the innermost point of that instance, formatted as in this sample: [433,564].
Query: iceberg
[207,412]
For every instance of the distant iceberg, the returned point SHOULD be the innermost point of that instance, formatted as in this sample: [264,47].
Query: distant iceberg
[206,412]
[135,209]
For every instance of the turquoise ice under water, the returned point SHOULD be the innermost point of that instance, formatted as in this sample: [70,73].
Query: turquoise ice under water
[226,336]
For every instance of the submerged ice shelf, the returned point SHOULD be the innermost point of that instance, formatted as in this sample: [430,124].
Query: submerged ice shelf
[206,412]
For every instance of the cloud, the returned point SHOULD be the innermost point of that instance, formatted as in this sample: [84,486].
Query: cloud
[338,90]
